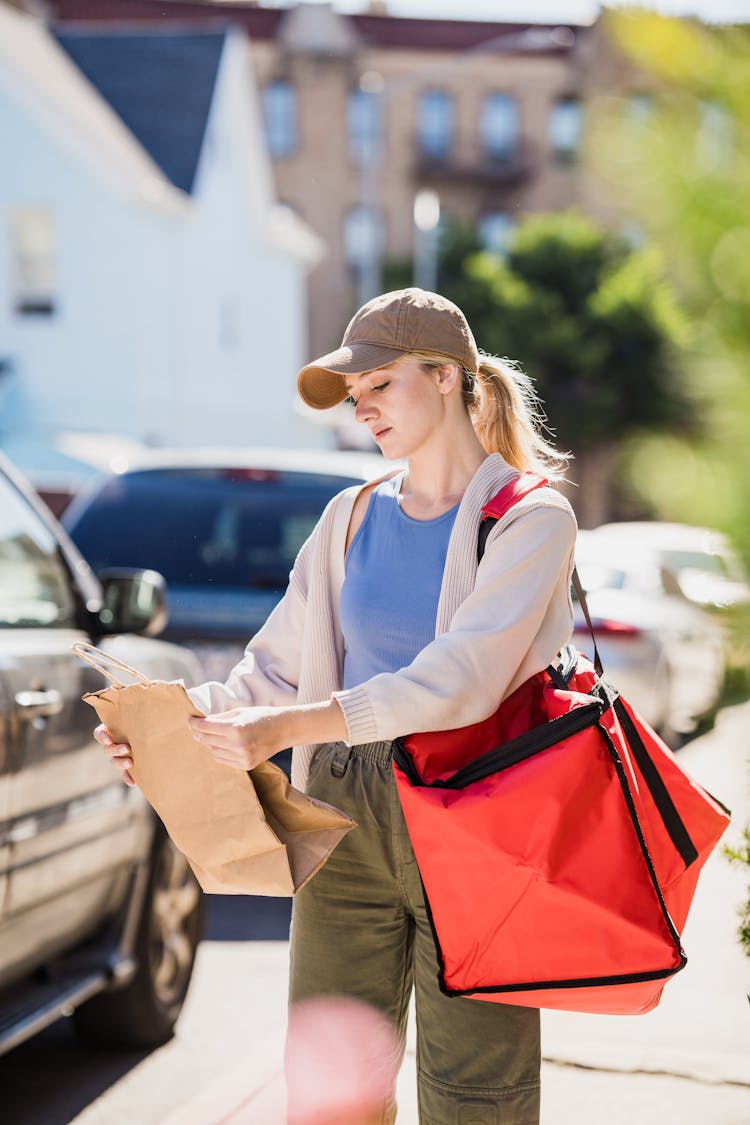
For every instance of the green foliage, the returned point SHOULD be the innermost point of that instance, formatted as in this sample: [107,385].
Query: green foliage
[683,173]
[591,320]
[741,855]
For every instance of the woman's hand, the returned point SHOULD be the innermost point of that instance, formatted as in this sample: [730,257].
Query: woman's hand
[119,753]
[245,736]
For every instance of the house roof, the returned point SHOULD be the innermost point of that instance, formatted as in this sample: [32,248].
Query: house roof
[41,80]
[159,83]
[373,30]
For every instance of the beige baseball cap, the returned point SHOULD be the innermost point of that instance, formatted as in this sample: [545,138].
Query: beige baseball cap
[389,326]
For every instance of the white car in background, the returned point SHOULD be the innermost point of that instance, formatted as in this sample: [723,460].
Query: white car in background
[701,566]
[696,563]
[665,654]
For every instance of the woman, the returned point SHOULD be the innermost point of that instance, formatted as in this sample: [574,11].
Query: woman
[388,627]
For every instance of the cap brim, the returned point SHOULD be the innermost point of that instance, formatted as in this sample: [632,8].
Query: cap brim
[321,384]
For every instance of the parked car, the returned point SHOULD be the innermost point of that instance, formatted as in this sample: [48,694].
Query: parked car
[99,913]
[664,654]
[222,526]
[701,566]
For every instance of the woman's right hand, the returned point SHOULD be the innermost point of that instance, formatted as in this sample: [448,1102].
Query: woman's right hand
[119,752]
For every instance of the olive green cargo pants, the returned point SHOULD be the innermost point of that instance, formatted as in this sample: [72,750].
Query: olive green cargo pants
[360,928]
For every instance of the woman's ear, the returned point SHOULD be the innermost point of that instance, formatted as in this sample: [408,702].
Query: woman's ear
[448,374]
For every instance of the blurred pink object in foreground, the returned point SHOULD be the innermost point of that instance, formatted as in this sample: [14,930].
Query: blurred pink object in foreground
[342,1059]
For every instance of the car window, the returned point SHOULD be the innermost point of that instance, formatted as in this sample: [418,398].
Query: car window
[597,576]
[709,562]
[213,527]
[34,583]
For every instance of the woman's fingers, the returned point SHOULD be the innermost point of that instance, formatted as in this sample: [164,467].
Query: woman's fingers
[114,749]
[102,735]
[119,752]
[240,761]
[217,731]
[219,740]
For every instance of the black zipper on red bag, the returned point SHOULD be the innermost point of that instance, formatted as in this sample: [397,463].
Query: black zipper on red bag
[510,753]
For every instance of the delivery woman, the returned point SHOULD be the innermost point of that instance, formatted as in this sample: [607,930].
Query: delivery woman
[389,626]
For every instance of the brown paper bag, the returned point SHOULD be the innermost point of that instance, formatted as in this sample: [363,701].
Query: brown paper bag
[242,833]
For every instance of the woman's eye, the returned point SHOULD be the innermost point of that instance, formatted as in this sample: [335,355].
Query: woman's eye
[380,387]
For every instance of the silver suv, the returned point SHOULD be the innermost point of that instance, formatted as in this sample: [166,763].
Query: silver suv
[100,916]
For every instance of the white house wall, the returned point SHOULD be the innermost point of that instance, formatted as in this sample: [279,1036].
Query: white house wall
[102,360]
[179,319]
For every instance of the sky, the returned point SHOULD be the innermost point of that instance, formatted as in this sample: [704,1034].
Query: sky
[543,11]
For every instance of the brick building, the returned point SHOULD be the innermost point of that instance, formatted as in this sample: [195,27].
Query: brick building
[363,112]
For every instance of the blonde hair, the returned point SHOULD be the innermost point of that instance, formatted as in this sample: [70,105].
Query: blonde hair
[506,413]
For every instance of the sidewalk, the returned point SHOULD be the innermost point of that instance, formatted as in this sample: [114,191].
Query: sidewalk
[686,1063]
[621,1083]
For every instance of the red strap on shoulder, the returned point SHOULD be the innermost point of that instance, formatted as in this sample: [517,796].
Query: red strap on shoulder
[508,496]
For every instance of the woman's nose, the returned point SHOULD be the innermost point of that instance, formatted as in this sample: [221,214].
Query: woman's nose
[364,409]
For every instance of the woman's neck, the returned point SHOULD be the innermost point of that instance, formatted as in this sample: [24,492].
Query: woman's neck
[436,478]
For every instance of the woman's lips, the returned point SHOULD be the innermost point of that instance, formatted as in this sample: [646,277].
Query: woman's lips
[378,434]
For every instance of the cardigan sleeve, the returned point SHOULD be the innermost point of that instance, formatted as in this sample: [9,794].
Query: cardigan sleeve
[268,673]
[463,675]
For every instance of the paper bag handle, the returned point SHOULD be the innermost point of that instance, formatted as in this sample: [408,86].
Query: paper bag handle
[104,662]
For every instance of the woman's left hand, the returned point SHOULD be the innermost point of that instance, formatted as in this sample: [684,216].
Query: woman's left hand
[243,737]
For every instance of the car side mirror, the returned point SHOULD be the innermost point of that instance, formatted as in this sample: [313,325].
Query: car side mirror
[133,601]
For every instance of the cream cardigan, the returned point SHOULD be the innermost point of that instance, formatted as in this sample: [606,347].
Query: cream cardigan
[497,624]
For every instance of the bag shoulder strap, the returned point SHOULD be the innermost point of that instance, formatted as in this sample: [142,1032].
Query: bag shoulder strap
[503,501]
[498,506]
[511,493]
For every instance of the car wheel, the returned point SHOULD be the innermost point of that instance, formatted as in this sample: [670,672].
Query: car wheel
[145,1011]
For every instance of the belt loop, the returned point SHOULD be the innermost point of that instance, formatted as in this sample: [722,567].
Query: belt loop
[340,760]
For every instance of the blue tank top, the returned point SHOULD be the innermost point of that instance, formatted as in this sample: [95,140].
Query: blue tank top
[393,574]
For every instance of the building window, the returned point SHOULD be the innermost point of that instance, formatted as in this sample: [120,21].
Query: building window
[435,120]
[495,231]
[364,124]
[33,253]
[498,126]
[363,238]
[280,116]
[564,127]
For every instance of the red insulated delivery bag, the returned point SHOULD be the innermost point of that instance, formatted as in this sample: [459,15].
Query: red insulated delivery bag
[559,842]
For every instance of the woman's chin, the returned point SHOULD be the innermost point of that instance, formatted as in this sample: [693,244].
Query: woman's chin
[386,443]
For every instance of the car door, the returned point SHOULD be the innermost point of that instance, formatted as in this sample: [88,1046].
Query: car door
[71,826]
[5,715]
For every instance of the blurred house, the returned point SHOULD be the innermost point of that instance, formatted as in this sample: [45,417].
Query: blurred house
[151,286]
[363,112]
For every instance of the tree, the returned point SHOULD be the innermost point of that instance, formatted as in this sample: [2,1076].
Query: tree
[592,322]
[682,172]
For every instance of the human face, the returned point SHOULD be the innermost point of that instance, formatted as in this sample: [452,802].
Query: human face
[401,404]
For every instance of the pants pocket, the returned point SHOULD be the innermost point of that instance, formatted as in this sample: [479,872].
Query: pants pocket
[321,755]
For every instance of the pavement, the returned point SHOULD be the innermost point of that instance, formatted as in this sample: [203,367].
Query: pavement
[686,1063]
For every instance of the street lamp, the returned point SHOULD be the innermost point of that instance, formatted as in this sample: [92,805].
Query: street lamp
[426,222]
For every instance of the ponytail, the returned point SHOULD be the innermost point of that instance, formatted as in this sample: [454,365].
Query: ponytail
[507,414]
[508,417]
